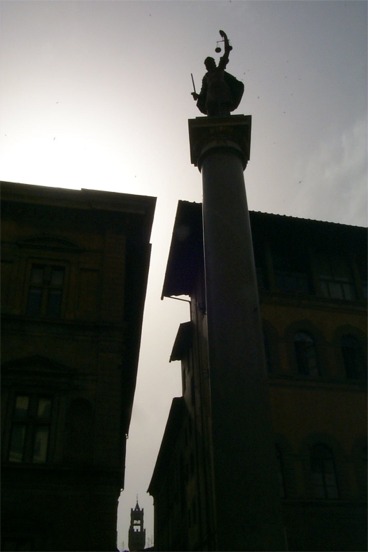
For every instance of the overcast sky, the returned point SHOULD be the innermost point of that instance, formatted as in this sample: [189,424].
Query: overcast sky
[96,94]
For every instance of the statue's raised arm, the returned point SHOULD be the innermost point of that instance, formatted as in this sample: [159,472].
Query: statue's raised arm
[221,92]
[224,60]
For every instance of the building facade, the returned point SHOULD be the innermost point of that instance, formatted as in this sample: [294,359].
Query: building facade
[312,284]
[74,275]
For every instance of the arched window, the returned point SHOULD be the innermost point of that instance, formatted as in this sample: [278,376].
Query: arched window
[323,472]
[352,356]
[305,354]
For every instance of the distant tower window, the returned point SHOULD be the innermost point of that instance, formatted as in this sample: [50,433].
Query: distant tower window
[352,355]
[335,278]
[305,354]
[30,429]
[45,291]
[323,472]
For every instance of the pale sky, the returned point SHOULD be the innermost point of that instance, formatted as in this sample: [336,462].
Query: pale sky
[96,94]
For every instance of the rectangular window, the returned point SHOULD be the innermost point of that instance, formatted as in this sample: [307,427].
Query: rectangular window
[323,473]
[291,270]
[361,262]
[45,291]
[30,431]
[292,282]
[17,443]
[335,277]
[40,444]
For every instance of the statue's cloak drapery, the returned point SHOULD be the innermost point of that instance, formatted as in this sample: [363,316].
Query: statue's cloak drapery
[236,88]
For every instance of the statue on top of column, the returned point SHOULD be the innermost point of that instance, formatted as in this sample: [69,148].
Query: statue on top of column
[221,92]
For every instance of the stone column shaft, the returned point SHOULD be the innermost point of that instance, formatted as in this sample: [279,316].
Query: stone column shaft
[246,494]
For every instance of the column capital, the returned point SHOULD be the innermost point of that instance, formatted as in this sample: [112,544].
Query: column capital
[220,133]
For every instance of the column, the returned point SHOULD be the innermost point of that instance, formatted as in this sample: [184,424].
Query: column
[245,480]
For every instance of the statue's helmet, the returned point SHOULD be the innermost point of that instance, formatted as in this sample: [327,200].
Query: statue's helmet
[210,63]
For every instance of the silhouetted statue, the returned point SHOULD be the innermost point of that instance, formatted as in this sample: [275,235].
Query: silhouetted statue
[221,92]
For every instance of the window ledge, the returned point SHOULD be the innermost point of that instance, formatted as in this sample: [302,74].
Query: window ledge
[277,380]
[310,299]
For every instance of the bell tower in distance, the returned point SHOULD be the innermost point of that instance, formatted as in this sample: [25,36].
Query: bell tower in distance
[137,533]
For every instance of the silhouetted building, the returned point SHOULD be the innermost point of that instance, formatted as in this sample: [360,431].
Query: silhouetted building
[74,276]
[137,533]
[312,282]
